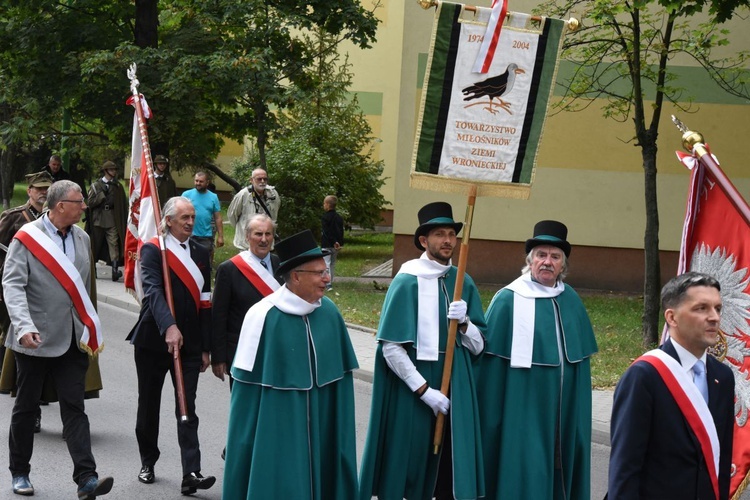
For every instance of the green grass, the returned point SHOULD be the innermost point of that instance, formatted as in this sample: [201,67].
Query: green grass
[363,251]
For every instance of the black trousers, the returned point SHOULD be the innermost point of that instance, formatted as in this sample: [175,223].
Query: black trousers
[152,367]
[69,374]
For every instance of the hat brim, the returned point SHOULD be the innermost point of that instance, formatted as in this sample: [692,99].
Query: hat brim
[425,228]
[43,184]
[535,242]
[290,264]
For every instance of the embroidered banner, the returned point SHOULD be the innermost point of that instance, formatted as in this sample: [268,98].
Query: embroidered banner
[714,241]
[484,129]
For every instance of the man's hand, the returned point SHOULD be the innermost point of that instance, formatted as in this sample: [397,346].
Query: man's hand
[457,310]
[435,400]
[220,241]
[173,339]
[205,361]
[30,340]
[220,369]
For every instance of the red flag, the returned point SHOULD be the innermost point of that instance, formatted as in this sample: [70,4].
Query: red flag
[715,241]
[141,221]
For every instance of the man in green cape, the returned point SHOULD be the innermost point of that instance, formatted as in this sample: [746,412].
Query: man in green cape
[534,382]
[398,460]
[291,417]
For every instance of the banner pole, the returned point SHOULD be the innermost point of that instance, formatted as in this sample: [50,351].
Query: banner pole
[149,177]
[453,325]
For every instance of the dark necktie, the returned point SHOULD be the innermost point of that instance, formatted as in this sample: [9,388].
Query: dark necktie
[263,263]
[62,236]
[184,246]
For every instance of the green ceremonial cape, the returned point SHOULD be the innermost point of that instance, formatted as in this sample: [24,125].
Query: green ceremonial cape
[523,410]
[398,460]
[291,420]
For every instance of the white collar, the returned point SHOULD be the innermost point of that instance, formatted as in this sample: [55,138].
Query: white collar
[687,359]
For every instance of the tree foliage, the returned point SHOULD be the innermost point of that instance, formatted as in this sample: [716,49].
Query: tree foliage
[216,71]
[324,146]
[623,55]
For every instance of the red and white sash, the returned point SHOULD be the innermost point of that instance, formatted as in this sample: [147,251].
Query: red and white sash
[694,408]
[41,246]
[187,271]
[259,276]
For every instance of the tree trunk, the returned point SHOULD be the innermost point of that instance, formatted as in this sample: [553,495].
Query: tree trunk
[7,157]
[652,275]
[226,178]
[146,23]
[262,132]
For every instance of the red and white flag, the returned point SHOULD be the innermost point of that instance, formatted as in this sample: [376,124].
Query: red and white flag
[491,36]
[141,221]
[716,241]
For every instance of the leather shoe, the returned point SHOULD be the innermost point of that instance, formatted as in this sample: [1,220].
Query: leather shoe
[147,474]
[94,486]
[194,482]
[22,486]
[38,424]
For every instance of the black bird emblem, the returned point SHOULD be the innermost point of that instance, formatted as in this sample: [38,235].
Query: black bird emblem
[494,87]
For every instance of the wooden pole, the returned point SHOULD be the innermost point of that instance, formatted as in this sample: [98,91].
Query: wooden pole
[147,172]
[453,325]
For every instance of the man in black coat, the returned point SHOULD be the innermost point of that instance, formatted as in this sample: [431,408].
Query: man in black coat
[241,282]
[158,333]
[673,411]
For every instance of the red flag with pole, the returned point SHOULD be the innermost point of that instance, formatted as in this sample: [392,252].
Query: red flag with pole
[716,241]
[149,216]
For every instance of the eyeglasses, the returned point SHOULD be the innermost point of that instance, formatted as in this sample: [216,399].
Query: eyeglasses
[80,202]
[260,179]
[325,272]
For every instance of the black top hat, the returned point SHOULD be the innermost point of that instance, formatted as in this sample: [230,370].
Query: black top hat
[549,232]
[39,179]
[432,215]
[298,249]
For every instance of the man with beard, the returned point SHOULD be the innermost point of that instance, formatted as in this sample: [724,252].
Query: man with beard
[207,209]
[413,332]
[257,198]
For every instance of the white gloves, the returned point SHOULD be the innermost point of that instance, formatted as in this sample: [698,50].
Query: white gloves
[457,310]
[435,400]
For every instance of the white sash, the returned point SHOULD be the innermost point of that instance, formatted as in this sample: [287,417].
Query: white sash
[525,293]
[427,272]
[252,327]
[65,272]
[262,272]
[687,385]
[183,255]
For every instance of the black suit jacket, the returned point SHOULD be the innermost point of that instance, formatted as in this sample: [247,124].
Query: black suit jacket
[655,454]
[155,318]
[233,296]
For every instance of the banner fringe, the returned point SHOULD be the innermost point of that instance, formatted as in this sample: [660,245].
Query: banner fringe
[441,183]
[741,488]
